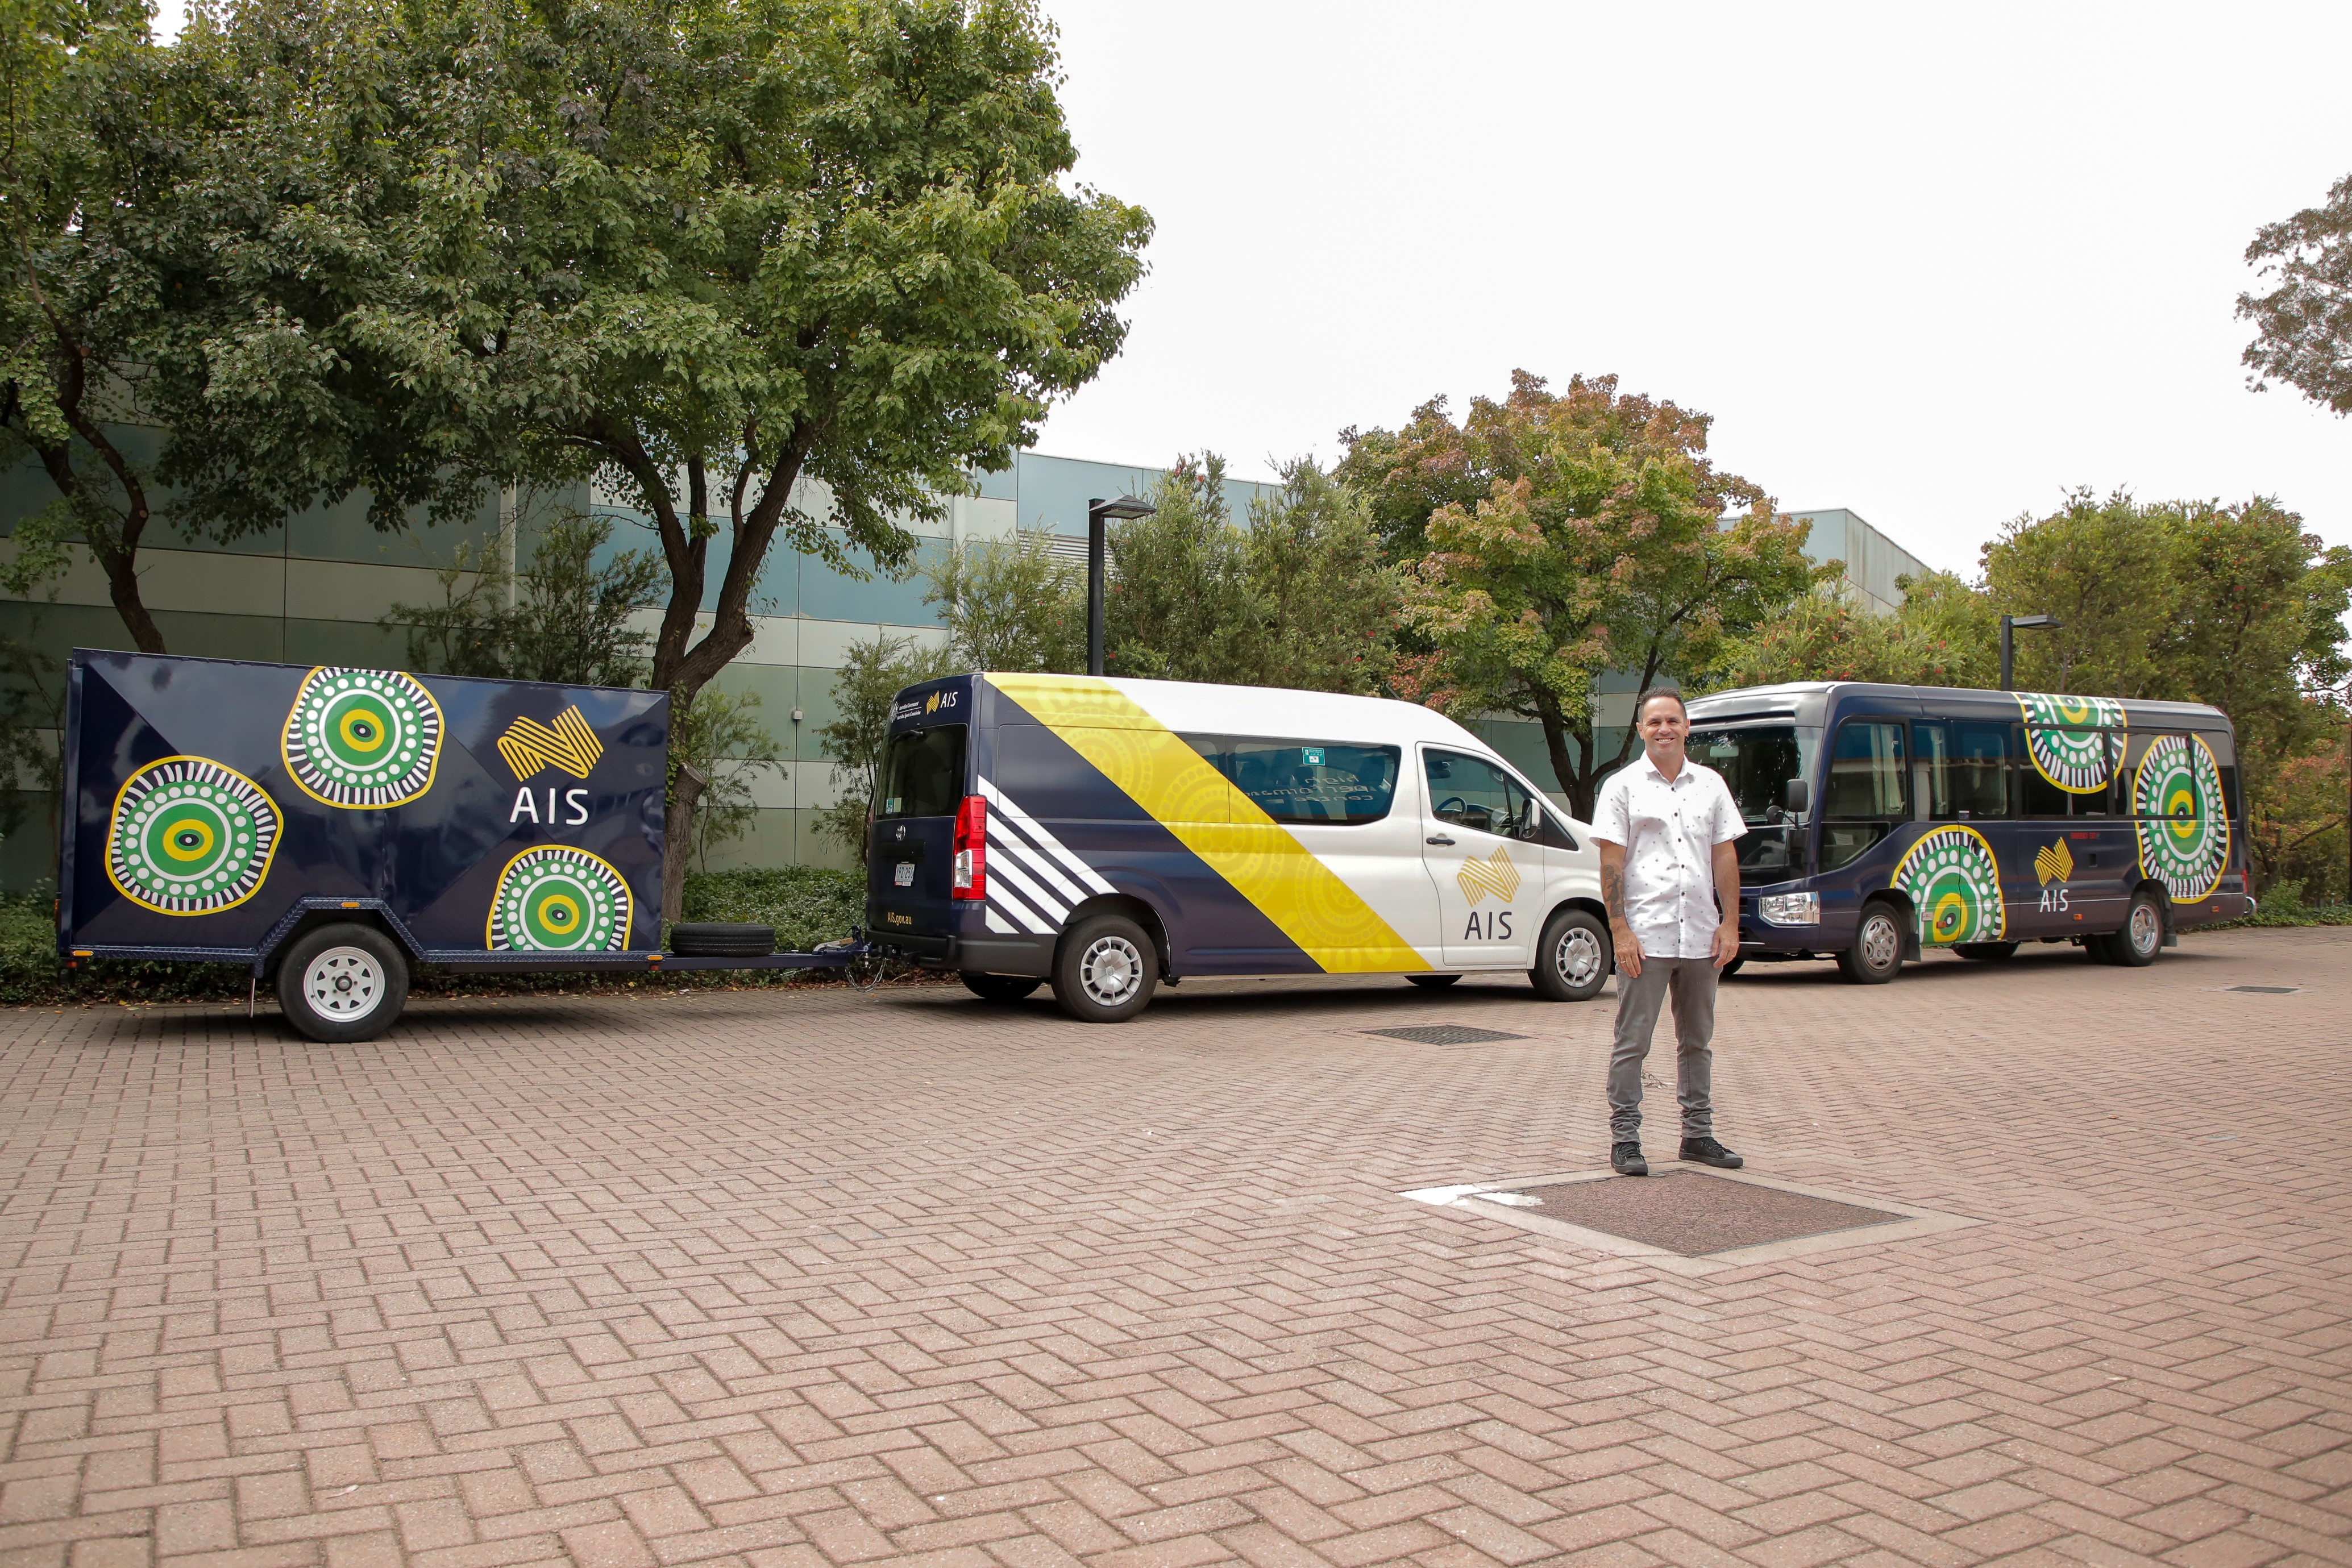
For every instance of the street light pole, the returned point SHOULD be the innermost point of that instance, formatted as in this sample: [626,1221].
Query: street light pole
[1097,512]
[2010,625]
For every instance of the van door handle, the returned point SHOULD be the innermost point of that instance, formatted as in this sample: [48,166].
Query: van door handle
[1437,838]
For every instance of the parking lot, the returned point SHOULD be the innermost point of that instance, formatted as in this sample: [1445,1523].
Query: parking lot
[818,1278]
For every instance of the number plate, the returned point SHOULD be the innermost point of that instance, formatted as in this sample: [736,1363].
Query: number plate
[903,875]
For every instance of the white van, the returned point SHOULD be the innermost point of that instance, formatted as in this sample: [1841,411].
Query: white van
[1106,834]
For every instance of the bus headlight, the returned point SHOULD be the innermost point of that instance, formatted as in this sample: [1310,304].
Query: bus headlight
[1790,908]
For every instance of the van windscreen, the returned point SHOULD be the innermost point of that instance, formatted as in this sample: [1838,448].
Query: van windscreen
[922,773]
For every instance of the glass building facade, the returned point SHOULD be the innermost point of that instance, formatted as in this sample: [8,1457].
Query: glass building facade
[324,588]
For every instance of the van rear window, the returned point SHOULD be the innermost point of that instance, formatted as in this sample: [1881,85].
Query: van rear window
[922,773]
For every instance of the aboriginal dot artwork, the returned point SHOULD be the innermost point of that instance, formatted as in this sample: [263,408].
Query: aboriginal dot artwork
[2066,738]
[2184,825]
[363,739]
[190,837]
[1955,884]
[557,899]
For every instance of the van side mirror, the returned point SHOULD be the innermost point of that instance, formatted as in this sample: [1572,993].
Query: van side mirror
[1800,797]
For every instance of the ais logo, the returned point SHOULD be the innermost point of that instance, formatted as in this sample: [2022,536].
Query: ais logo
[568,746]
[2054,864]
[1492,877]
[926,707]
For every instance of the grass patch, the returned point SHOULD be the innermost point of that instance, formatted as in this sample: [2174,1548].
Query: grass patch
[806,905]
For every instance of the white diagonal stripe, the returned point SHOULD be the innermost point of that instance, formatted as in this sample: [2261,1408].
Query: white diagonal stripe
[1087,875]
[1019,911]
[1001,865]
[1038,864]
[998,924]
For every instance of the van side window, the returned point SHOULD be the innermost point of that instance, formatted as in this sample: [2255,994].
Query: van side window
[1303,783]
[1866,792]
[1472,792]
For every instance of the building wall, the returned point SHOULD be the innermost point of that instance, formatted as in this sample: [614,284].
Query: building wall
[318,588]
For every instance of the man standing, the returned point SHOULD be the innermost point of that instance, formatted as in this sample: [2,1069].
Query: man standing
[1665,827]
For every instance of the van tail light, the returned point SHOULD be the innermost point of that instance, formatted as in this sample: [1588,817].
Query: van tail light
[971,849]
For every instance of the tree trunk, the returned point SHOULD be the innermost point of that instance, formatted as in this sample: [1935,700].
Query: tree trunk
[678,837]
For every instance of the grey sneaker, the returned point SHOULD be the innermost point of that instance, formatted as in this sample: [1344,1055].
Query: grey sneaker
[1708,1152]
[1626,1159]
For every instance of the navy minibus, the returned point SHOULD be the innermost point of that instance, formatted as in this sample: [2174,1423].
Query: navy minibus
[1884,820]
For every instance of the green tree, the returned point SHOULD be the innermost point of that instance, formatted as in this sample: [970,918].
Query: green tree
[872,673]
[1943,634]
[565,616]
[719,735]
[1599,544]
[2303,324]
[1012,604]
[1328,601]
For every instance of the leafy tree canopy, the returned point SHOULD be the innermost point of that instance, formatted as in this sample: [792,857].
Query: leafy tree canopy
[2304,321]
[1943,634]
[1597,543]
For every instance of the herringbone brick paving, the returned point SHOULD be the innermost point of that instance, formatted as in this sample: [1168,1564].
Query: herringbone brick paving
[817,1278]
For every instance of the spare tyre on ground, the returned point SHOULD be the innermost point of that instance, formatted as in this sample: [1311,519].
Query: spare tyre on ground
[711,939]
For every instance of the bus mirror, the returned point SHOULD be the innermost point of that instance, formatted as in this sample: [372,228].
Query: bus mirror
[1800,797]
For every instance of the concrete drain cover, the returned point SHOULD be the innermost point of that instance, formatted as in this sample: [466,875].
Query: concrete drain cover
[1446,1034]
[2266,990]
[1689,1221]
[1694,1215]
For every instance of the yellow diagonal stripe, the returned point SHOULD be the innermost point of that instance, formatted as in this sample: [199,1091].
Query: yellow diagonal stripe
[1326,917]
[571,744]
[1495,874]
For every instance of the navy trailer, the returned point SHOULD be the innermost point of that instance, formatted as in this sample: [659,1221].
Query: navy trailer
[329,826]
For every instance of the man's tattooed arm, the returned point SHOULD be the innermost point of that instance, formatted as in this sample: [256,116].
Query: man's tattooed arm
[1612,895]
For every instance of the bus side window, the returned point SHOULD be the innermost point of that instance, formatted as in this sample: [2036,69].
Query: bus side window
[1866,793]
[1931,767]
[1979,766]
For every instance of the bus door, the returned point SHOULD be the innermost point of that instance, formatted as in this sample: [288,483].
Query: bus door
[2084,856]
[1962,770]
[1482,848]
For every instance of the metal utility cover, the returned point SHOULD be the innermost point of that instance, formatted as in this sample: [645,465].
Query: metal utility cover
[1694,1215]
[1446,1034]
[2266,990]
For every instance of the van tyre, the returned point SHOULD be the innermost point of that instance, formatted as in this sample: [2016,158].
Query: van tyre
[2142,937]
[999,987]
[1876,955]
[1105,970]
[343,984]
[1573,960]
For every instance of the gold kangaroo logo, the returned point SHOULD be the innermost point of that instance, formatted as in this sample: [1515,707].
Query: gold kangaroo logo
[529,746]
[1494,875]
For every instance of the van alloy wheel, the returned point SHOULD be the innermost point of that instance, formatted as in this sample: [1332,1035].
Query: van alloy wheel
[1110,969]
[1105,970]
[1578,956]
[1573,958]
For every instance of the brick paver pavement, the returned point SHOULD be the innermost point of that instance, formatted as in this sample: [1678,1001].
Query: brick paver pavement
[818,1279]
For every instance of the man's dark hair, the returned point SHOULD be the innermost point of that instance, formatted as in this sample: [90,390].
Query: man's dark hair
[1641,703]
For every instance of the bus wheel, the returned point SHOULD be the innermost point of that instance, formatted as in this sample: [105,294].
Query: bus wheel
[999,987]
[1987,952]
[343,984]
[1876,955]
[2142,937]
[1103,973]
[1572,961]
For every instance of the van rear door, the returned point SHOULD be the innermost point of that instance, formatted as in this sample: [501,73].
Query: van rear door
[911,849]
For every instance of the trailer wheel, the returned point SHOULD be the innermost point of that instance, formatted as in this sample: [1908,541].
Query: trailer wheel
[343,984]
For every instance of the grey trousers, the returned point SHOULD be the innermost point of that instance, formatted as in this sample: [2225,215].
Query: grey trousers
[1691,982]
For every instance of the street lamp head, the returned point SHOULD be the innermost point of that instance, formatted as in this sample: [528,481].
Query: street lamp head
[1123,507]
[2051,621]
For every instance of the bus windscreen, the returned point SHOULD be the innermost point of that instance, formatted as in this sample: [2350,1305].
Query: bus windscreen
[1758,761]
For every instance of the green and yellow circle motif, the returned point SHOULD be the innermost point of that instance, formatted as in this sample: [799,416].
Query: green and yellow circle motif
[2065,736]
[557,899]
[1954,883]
[190,837]
[363,739]
[2184,823]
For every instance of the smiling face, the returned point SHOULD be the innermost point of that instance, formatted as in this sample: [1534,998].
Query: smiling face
[1664,727]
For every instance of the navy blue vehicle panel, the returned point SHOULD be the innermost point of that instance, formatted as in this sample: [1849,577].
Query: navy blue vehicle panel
[412,794]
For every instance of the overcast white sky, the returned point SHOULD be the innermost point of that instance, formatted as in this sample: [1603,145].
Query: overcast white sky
[1936,263]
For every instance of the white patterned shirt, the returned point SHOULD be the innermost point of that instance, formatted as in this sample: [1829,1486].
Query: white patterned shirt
[1669,831]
